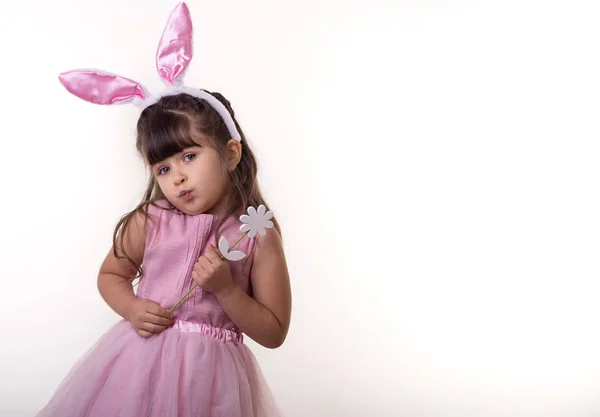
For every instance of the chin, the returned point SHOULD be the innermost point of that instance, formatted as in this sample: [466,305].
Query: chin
[193,209]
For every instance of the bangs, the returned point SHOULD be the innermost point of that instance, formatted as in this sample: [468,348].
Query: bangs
[167,133]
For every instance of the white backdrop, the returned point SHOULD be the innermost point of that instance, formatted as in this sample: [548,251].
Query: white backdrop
[434,165]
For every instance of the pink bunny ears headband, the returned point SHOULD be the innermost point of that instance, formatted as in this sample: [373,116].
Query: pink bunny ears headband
[172,58]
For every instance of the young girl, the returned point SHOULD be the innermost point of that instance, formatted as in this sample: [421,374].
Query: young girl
[191,362]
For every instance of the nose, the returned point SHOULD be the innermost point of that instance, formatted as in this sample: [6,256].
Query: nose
[179,178]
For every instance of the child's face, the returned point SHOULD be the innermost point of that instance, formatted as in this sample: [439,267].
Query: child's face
[193,180]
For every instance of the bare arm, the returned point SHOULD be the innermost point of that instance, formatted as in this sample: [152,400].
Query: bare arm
[115,278]
[265,317]
[116,275]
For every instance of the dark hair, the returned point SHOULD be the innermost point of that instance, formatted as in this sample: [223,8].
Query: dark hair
[164,129]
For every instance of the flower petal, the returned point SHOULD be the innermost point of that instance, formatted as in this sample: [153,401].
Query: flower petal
[236,255]
[262,231]
[223,246]
[268,224]
[268,215]
[251,211]
[262,209]
[252,233]
[245,228]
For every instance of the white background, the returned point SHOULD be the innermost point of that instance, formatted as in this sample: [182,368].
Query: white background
[434,165]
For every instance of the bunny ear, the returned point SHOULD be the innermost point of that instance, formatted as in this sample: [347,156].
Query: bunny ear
[100,87]
[175,46]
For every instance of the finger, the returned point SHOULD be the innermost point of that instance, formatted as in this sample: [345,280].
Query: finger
[214,257]
[205,257]
[144,333]
[198,267]
[197,278]
[216,251]
[159,320]
[212,248]
[198,274]
[201,261]
[152,328]
[205,265]
[157,310]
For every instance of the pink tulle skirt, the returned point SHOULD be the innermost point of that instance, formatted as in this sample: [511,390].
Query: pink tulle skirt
[191,369]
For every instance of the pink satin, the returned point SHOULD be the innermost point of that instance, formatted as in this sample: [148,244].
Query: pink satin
[175,46]
[100,87]
[219,333]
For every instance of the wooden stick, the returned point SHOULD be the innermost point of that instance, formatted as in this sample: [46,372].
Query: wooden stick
[195,285]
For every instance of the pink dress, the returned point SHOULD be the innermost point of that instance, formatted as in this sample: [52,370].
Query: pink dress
[198,367]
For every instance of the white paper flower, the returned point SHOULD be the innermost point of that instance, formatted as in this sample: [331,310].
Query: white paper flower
[256,221]
[235,255]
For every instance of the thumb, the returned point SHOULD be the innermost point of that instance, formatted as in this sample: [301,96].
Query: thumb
[215,250]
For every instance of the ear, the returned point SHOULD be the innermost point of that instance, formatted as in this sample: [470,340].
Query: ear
[234,154]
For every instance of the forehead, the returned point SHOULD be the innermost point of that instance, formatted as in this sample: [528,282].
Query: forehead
[169,139]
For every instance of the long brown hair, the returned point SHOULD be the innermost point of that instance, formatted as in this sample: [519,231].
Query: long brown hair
[164,129]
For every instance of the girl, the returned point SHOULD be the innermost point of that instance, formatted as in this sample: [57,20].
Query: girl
[191,362]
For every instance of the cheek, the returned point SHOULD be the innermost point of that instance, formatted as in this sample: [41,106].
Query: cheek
[162,184]
[225,175]
[220,179]
[215,170]
[211,173]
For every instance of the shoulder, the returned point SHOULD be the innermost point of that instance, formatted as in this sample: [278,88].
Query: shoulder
[144,220]
[271,239]
[268,250]
[157,211]
[130,234]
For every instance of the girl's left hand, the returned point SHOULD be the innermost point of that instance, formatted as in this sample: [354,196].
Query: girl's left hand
[212,273]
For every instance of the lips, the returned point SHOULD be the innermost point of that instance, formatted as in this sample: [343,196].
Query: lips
[185,194]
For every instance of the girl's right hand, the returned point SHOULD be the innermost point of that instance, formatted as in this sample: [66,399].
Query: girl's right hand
[148,317]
